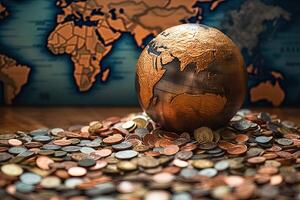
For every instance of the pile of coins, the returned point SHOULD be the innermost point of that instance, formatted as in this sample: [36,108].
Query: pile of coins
[256,156]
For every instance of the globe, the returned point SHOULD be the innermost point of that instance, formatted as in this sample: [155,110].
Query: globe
[190,76]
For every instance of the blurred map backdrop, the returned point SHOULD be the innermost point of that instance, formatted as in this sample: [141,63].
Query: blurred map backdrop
[84,52]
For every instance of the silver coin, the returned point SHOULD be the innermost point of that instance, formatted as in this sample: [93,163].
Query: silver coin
[221,165]
[87,150]
[55,131]
[126,154]
[30,178]
[122,146]
[42,138]
[71,148]
[209,172]
[24,188]
[17,150]
[73,182]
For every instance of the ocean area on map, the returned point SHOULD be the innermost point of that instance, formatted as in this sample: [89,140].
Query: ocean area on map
[51,79]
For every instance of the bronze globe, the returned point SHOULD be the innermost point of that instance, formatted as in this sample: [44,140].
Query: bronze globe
[190,76]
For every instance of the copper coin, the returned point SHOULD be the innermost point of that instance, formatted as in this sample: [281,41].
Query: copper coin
[33,144]
[241,138]
[44,162]
[180,163]
[234,181]
[62,142]
[256,160]
[99,165]
[150,139]
[222,144]
[152,153]
[189,147]
[103,152]
[245,190]
[14,142]
[237,149]
[77,171]
[276,180]
[61,173]
[114,139]
[268,170]
[172,169]
[171,150]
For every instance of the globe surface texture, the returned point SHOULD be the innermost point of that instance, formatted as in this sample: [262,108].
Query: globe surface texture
[189,76]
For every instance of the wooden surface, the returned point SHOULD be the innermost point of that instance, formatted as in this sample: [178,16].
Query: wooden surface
[29,118]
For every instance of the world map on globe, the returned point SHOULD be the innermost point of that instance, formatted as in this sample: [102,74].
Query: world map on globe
[84,52]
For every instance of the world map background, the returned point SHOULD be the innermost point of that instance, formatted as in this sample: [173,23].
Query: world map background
[37,68]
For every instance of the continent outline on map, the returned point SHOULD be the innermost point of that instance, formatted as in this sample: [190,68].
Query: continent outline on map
[13,75]
[106,26]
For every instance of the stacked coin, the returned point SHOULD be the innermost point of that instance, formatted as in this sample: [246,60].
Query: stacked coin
[256,156]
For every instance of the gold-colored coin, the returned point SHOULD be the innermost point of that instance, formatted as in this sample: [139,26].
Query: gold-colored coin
[12,170]
[127,165]
[148,162]
[203,163]
[203,135]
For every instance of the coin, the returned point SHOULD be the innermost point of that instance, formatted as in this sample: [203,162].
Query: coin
[157,194]
[184,155]
[284,141]
[263,139]
[56,131]
[44,162]
[51,182]
[201,164]
[17,150]
[180,163]
[30,178]
[148,162]
[103,152]
[62,142]
[5,156]
[256,160]
[114,139]
[11,169]
[237,149]
[203,135]
[122,146]
[77,171]
[70,149]
[163,178]
[87,150]
[51,147]
[14,142]
[86,162]
[126,154]
[73,182]
[221,165]
[24,188]
[209,172]
[170,150]
[41,138]
[127,165]
[241,138]
[128,125]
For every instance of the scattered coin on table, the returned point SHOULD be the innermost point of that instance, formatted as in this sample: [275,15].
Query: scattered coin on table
[256,156]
